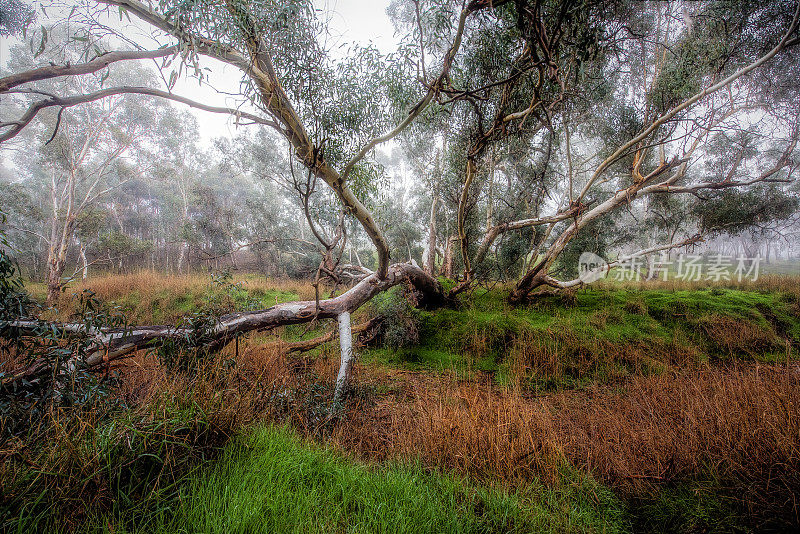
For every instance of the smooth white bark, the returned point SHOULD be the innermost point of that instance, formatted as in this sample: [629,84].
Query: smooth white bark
[346,346]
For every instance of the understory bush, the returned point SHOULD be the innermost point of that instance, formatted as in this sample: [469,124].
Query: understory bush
[398,320]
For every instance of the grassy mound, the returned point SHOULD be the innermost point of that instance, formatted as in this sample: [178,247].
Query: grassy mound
[600,335]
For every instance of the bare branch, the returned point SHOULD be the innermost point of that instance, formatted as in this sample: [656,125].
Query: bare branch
[37,234]
[17,126]
[549,280]
[96,64]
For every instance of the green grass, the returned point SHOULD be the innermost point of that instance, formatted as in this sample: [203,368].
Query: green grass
[690,507]
[270,481]
[600,325]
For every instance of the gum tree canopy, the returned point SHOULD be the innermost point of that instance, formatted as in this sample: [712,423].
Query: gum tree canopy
[555,119]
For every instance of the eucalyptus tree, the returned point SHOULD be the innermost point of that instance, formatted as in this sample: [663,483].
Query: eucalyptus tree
[82,154]
[642,86]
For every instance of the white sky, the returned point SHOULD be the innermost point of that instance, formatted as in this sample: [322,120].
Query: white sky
[361,21]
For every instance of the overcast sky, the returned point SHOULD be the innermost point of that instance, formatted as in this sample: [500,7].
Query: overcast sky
[361,21]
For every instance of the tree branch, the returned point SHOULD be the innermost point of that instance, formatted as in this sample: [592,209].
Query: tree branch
[433,90]
[96,64]
[68,101]
[495,231]
[549,280]
[782,44]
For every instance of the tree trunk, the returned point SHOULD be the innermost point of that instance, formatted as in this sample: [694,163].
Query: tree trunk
[430,264]
[115,343]
[55,268]
[85,270]
[56,261]
[532,279]
[182,258]
[447,267]
[651,268]
[345,368]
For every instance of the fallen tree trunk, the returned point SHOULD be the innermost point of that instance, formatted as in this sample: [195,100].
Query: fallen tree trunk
[113,343]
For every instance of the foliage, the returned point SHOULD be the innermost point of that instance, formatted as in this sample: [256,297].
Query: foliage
[56,357]
[398,320]
[14,300]
[338,102]
[753,210]
[117,244]
[190,352]
[111,461]
[595,238]
[514,249]
[15,17]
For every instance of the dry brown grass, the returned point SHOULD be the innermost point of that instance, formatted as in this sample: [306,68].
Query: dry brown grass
[553,354]
[741,420]
[741,424]
[115,286]
[144,292]
[732,336]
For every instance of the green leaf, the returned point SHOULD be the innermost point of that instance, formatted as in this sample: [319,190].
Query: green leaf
[42,43]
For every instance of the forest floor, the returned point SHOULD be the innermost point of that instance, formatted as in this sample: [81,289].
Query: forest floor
[647,407]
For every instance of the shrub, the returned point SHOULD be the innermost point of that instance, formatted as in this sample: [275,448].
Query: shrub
[399,322]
